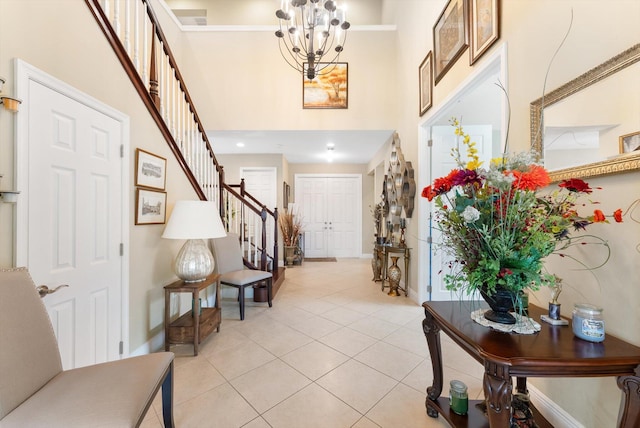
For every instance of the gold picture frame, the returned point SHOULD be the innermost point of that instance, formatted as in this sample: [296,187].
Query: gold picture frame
[328,90]
[425,77]
[630,143]
[450,37]
[151,170]
[484,27]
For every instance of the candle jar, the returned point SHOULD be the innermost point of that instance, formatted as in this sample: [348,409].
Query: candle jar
[458,398]
[587,322]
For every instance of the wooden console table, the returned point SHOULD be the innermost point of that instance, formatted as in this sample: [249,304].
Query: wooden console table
[552,352]
[195,325]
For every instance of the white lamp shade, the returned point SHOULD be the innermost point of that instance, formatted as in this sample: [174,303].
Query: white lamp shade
[194,220]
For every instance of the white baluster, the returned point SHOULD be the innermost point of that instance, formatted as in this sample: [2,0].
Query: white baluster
[127,27]
[116,17]
[145,49]
[136,36]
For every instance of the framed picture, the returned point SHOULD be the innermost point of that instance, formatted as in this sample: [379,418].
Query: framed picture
[630,142]
[425,73]
[328,90]
[151,206]
[286,193]
[449,37]
[484,28]
[151,170]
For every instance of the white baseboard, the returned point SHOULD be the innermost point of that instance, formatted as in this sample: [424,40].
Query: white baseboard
[555,414]
[155,344]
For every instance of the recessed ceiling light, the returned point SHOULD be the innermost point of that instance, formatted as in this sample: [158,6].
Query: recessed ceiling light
[239,144]
[330,146]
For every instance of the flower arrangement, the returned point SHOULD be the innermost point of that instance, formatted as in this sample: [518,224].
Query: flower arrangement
[290,227]
[497,228]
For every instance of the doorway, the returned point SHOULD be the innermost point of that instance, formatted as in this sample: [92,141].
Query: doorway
[72,222]
[482,107]
[331,210]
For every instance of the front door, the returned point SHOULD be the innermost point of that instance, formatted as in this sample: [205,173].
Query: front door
[330,207]
[74,217]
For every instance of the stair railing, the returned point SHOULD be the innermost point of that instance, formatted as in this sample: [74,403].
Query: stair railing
[132,29]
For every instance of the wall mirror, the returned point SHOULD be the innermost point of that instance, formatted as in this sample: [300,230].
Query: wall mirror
[577,127]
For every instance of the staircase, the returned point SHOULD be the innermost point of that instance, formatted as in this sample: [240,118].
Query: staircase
[132,29]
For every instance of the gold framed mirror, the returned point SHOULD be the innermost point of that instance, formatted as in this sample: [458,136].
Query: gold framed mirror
[612,164]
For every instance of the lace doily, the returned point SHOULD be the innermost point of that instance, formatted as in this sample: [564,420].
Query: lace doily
[523,325]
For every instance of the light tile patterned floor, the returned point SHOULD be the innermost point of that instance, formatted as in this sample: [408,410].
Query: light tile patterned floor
[334,351]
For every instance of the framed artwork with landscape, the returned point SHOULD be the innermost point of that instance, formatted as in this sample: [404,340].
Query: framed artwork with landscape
[484,19]
[328,89]
[151,170]
[425,74]
[449,37]
[151,206]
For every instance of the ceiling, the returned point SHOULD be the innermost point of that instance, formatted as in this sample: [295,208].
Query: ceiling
[305,146]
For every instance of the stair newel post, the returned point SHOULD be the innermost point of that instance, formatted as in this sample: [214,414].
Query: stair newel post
[153,74]
[275,259]
[221,199]
[242,187]
[263,253]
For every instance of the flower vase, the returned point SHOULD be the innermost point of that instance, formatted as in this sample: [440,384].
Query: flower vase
[394,274]
[501,302]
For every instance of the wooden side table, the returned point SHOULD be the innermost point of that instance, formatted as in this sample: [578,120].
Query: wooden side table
[195,325]
[552,352]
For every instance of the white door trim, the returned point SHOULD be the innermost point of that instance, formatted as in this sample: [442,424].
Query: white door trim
[497,60]
[358,202]
[24,73]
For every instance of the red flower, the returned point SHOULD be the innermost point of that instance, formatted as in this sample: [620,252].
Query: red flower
[533,179]
[598,216]
[428,193]
[576,185]
[617,215]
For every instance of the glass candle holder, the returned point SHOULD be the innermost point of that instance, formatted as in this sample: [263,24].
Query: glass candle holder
[458,397]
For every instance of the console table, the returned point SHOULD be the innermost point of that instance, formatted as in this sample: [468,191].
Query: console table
[552,352]
[195,325]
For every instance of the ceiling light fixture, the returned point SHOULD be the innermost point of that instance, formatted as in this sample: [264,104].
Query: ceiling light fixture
[309,30]
[239,144]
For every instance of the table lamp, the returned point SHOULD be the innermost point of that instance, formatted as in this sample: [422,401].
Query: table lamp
[194,221]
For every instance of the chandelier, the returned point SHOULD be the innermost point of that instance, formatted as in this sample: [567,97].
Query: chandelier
[309,30]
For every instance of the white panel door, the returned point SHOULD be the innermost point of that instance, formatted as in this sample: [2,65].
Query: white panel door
[311,196]
[342,214]
[262,184]
[442,162]
[331,211]
[75,209]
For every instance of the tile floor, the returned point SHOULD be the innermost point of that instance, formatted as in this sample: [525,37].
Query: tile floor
[334,351]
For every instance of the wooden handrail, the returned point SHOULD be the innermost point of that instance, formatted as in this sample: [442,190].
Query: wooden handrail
[140,87]
[165,95]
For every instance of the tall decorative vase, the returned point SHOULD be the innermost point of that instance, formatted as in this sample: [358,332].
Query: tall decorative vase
[394,274]
[501,303]
[289,254]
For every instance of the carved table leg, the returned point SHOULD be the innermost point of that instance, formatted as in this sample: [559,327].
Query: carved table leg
[432,333]
[497,391]
[629,416]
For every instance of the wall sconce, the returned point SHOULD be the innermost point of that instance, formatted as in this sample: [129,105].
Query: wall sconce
[11,104]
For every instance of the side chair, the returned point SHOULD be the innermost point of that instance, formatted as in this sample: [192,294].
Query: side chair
[230,265]
[35,391]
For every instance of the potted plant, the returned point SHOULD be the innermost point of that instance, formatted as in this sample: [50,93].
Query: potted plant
[290,228]
[497,229]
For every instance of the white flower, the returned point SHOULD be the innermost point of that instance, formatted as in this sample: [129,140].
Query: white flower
[470,214]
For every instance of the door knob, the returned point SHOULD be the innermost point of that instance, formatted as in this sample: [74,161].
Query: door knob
[43,290]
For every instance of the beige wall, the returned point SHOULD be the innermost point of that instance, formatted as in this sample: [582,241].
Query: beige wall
[35,32]
[532,30]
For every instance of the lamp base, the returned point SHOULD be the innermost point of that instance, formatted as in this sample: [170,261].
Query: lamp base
[194,262]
